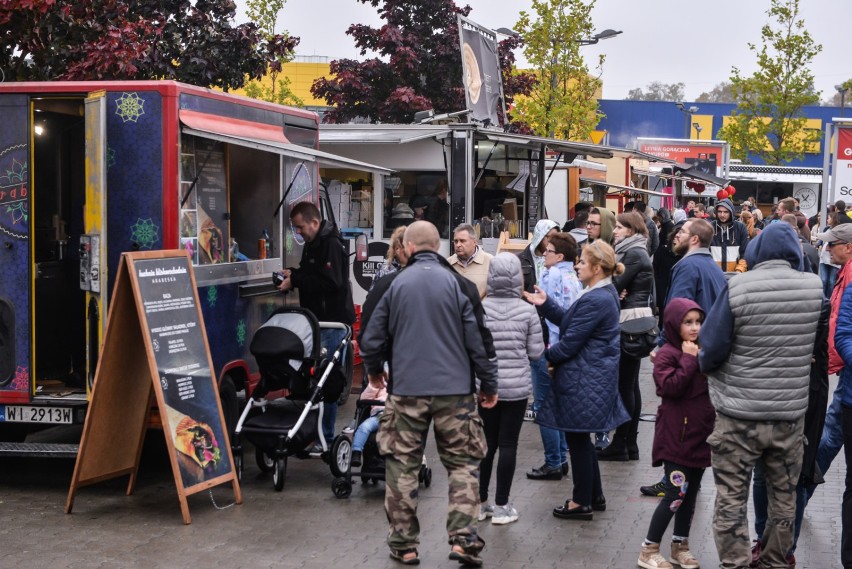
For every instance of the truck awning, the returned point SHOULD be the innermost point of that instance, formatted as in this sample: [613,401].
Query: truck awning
[621,188]
[232,126]
[212,132]
[565,146]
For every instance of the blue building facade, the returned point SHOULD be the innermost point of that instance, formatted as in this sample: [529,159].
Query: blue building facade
[625,121]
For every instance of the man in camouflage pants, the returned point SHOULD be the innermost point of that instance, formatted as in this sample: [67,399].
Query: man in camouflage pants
[756,348]
[427,323]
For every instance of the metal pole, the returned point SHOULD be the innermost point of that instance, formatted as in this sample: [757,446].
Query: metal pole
[842,101]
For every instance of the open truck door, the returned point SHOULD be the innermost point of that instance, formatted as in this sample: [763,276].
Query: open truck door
[92,247]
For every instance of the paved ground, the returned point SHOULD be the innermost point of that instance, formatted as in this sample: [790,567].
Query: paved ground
[306,526]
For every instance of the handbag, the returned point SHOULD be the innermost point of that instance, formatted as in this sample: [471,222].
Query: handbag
[639,336]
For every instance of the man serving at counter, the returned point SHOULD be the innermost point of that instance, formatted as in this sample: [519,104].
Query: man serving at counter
[323,282]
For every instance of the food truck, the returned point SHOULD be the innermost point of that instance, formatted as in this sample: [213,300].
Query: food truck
[89,170]
[464,173]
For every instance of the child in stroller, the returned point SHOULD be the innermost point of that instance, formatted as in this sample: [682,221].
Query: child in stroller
[369,425]
[359,450]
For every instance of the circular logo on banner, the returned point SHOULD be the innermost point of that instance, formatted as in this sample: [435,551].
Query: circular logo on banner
[365,270]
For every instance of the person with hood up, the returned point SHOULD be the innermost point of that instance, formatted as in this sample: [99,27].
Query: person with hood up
[600,225]
[516,329]
[757,355]
[684,421]
[730,239]
[584,398]
[532,265]
[665,258]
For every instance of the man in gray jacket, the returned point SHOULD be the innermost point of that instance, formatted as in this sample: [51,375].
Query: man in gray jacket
[427,324]
[756,350]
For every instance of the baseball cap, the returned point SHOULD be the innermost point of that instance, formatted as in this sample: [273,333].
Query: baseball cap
[842,232]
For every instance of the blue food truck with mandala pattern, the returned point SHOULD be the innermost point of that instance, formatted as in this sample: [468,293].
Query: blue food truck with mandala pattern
[89,170]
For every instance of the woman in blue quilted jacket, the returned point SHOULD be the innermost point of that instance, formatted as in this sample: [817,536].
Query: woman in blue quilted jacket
[584,394]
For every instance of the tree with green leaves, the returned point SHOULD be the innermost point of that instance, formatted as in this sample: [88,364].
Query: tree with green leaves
[769,122]
[658,91]
[265,13]
[562,103]
[417,65]
[839,98]
[194,42]
[721,93]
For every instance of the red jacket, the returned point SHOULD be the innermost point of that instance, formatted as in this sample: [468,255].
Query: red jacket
[685,416]
[835,363]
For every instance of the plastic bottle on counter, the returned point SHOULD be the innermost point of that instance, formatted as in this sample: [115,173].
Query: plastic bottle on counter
[265,236]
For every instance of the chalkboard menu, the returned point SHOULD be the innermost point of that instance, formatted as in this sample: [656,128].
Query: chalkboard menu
[155,349]
[191,412]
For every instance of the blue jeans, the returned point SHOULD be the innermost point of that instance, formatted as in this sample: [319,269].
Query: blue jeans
[832,434]
[828,275]
[330,338]
[370,425]
[555,447]
[761,504]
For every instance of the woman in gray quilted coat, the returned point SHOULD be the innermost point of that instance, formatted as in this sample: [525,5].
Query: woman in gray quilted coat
[516,329]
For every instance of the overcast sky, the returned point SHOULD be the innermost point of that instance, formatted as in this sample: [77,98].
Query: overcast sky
[670,41]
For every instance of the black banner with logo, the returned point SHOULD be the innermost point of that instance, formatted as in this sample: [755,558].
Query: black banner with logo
[483,84]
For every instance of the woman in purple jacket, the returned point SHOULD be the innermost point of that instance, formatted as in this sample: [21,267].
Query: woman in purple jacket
[684,421]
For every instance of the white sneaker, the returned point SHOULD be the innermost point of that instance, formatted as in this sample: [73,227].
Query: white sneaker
[485,511]
[504,515]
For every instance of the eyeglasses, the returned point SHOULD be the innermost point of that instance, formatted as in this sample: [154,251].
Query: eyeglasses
[833,243]
[553,251]
[592,223]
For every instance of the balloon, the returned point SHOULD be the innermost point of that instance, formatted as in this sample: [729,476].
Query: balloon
[699,188]
[731,190]
[721,194]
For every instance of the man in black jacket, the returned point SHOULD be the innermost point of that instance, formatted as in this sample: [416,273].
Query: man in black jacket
[323,282]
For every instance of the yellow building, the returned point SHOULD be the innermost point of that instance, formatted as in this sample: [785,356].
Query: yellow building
[302,72]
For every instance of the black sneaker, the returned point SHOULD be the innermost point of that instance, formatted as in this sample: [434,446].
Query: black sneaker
[356,458]
[565,468]
[656,490]
[545,472]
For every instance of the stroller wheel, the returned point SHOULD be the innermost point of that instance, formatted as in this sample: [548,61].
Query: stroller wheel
[341,487]
[341,455]
[278,473]
[264,462]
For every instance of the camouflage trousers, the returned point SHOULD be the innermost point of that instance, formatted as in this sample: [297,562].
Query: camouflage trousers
[736,446]
[403,428]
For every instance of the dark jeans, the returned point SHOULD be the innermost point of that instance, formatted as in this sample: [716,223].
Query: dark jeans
[846,535]
[628,389]
[682,486]
[584,466]
[502,428]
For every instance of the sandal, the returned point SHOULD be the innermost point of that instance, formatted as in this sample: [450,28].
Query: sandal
[466,549]
[405,557]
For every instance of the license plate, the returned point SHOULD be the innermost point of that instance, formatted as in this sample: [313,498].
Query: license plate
[28,414]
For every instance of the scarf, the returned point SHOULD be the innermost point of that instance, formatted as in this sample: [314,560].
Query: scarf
[634,241]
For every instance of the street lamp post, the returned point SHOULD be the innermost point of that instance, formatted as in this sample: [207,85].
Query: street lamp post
[842,90]
[698,130]
[688,112]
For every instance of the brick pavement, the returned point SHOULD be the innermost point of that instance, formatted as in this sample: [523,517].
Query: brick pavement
[306,526]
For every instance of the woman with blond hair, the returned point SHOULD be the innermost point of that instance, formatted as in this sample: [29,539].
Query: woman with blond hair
[396,257]
[748,220]
[583,397]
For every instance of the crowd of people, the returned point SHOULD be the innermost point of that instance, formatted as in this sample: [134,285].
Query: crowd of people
[741,371]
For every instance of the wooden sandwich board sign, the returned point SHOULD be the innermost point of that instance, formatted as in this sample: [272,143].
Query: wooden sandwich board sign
[155,346]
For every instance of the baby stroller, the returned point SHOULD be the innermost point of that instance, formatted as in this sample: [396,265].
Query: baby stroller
[372,467]
[288,352]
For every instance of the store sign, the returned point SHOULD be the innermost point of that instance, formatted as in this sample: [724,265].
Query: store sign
[483,84]
[842,170]
[708,158]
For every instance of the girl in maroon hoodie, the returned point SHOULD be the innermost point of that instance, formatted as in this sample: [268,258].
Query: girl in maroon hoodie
[684,421]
